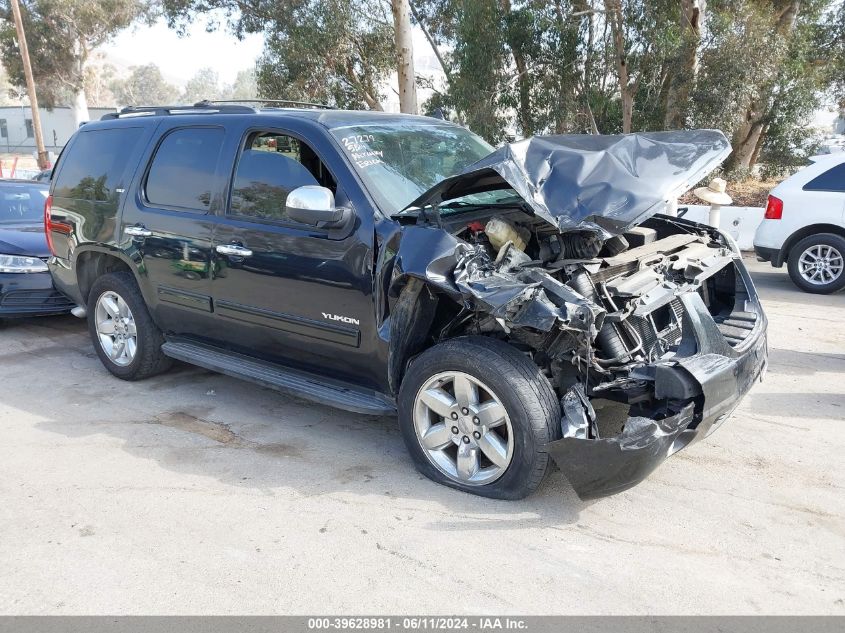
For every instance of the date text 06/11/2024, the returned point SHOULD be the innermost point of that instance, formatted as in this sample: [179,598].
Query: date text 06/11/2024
[418,623]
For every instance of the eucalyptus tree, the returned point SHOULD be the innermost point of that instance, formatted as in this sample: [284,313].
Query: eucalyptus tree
[62,35]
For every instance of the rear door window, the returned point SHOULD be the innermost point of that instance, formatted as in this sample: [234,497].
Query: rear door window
[183,171]
[96,163]
[831,180]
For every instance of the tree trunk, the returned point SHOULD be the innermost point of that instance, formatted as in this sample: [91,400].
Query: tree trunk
[686,69]
[433,43]
[614,16]
[588,69]
[79,107]
[526,121]
[404,56]
[751,135]
[745,143]
[761,139]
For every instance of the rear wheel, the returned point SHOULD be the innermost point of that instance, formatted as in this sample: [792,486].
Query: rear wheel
[476,415]
[124,335]
[817,263]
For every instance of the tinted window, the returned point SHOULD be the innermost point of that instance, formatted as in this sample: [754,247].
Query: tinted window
[95,163]
[22,202]
[400,161]
[183,168]
[268,170]
[831,180]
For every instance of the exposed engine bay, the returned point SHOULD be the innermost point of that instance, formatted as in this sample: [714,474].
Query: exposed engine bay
[647,326]
[597,316]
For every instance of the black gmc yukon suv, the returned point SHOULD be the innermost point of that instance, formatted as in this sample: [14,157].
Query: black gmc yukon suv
[513,306]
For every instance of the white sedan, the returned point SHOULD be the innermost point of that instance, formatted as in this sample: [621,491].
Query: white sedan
[804,226]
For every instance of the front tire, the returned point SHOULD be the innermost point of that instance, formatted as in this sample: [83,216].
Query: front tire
[817,263]
[124,335]
[477,415]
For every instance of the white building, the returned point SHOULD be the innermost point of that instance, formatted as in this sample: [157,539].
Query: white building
[57,125]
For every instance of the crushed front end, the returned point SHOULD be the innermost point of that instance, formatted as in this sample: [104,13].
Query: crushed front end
[682,341]
[650,339]
[647,326]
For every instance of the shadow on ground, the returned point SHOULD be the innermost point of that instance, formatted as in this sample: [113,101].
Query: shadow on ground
[800,363]
[196,422]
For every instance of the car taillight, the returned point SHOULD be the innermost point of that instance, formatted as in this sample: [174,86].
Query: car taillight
[774,208]
[48,225]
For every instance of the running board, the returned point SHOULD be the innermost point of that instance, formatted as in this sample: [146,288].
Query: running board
[298,383]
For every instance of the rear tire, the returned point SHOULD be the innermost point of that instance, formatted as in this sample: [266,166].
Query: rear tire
[501,375]
[827,252]
[117,314]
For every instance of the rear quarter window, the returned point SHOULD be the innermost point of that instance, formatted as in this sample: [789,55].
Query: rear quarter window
[94,165]
[831,180]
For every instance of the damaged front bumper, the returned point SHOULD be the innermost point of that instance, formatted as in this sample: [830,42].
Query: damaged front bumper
[705,380]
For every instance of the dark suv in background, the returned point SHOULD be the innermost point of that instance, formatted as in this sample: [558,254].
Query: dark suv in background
[513,306]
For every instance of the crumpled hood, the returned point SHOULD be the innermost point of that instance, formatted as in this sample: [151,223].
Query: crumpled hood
[606,184]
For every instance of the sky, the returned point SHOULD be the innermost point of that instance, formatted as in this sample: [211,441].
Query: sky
[179,58]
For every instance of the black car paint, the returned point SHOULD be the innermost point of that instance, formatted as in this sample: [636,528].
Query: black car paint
[309,271]
[272,306]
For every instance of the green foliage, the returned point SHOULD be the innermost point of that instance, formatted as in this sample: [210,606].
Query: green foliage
[8,95]
[758,71]
[61,34]
[735,53]
[205,84]
[334,51]
[479,81]
[244,87]
[831,46]
[144,86]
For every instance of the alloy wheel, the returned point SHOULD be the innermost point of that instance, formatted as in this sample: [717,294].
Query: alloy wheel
[116,329]
[463,428]
[820,264]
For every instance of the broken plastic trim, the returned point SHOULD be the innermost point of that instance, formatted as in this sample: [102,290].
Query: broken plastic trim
[527,297]
[709,371]
[601,467]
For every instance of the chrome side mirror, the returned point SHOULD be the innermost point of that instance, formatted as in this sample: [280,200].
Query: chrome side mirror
[314,205]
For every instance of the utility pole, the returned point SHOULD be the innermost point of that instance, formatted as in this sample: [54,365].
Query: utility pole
[43,158]
[404,56]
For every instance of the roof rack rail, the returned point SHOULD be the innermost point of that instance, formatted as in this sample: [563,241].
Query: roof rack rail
[204,107]
[307,104]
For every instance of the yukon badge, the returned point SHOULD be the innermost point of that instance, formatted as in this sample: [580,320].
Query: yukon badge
[343,319]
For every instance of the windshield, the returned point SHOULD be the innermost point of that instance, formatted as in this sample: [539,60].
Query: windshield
[400,161]
[22,202]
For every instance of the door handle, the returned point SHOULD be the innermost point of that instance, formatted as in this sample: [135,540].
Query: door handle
[233,250]
[137,231]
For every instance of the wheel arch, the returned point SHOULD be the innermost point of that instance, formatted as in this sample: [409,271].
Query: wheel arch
[807,231]
[91,263]
[418,318]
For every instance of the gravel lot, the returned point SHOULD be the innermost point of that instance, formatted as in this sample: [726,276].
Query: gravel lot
[195,493]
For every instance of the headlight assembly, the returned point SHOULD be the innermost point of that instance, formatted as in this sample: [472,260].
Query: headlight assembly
[21,264]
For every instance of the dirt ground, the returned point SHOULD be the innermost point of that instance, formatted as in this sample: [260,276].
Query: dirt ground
[194,493]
